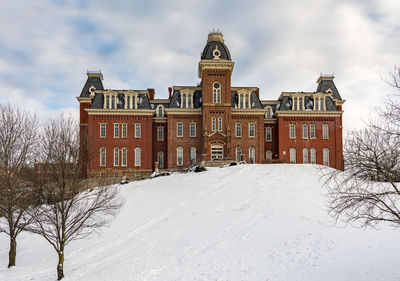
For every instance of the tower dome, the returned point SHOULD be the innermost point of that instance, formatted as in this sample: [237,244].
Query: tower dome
[215,47]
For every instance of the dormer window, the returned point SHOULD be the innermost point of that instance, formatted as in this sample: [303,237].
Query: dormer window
[160,111]
[92,91]
[319,103]
[268,113]
[186,100]
[216,92]
[244,100]
[107,104]
[216,53]
[130,101]
[298,102]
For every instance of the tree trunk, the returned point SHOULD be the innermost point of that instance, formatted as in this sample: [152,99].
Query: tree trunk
[60,266]
[13,252]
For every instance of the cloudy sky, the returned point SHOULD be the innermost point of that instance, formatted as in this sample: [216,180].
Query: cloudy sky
[46,47]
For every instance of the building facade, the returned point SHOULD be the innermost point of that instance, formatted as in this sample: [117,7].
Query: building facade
[131,133]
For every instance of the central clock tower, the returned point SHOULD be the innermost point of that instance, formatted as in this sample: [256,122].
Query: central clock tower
[215,71]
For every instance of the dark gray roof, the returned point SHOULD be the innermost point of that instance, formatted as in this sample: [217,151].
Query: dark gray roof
[210,47]
[142,102]
[91,81]
[176,99]
[286,104]
[326,84]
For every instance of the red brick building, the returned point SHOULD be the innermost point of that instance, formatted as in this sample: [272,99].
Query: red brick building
[129,132]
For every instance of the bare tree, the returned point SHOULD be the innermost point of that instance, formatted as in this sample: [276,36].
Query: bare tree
[18,135]
[368,192]
[70,210]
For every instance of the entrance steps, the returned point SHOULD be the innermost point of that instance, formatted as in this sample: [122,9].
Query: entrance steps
[217,163]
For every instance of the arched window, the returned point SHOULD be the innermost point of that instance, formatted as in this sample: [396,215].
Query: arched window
[138,157]
[268,155]
[292,152]
[305,131]
[312,131]
[252,130]
[305,155]
[238,130]
[292,131]
[252,155]
[160,111]
[326,156]
[138,130]
[268,113]
[192,155]
[313,155]
[216,92]
[219,124]
[238,154]
[116,156]
[192,129]
[160,159]
[179,156]
[179,129]
[124,156]
[213,124]
[325,131]
[102,156]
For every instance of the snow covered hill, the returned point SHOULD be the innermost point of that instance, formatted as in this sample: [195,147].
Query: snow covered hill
[248,222]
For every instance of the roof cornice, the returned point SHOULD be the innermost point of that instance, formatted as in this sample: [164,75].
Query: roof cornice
[308,113]
[97,111]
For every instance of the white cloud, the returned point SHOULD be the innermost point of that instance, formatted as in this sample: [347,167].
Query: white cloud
[46,47]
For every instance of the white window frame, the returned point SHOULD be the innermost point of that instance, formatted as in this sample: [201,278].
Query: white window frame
[292,155]
[305,155]
[138,157]
[325,156]
[312,131]
[292,131]
[160,159]
[179,156]
[238,130]
[213,124]
[160,133]
[217,92]
[252,130]
[268,134]
[103,157]
[305,131]
[179,129]
[325,131]
[219,124]
[101,130]
[138,130]
[268,155]
[124,157]
[239,149]
[192,129]
[158,109]
[116,130]
[244,100]
[252,155]
[313,155]
[124,130]
[116,156]
[268,113]
[192,154]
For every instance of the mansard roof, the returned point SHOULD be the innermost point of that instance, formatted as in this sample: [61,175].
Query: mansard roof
[286,103]
[94,79]
[215,40]
[254,99]
[325,83]
[143,101]
[175,101]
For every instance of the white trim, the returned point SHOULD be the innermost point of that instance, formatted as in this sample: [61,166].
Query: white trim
[124,159]
[138,157]
[116,157]
[138,130]
[190,129]
[105,130]
[160,137]
[105,157]
[116,136]
[252,124]
[177,129]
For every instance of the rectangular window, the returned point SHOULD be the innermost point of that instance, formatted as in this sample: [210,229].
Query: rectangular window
[189,101]
[128,104]
[268,134]
[238,130]
[160,133]
[313,155]
[312,131]
[219,124]
[252,130]
[116,130]
[292,131]
[305,155]
[124,130]
[192,155]
[138,152]
[116,157]
[112,101]
[133,102]
[107,102]
[138,130]
[124,157]
[246,101]
[325,153]
[102,130]
[213,124]
[305,131]
[179,156]
[183,100]
[294,103]
[179,130]
[192,129]
[325,131]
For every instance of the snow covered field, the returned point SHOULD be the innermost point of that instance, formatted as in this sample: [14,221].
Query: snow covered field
[248,222]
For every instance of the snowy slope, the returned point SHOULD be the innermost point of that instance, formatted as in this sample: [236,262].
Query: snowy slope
[249,222]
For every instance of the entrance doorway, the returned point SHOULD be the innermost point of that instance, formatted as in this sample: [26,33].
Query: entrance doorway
[217,152]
